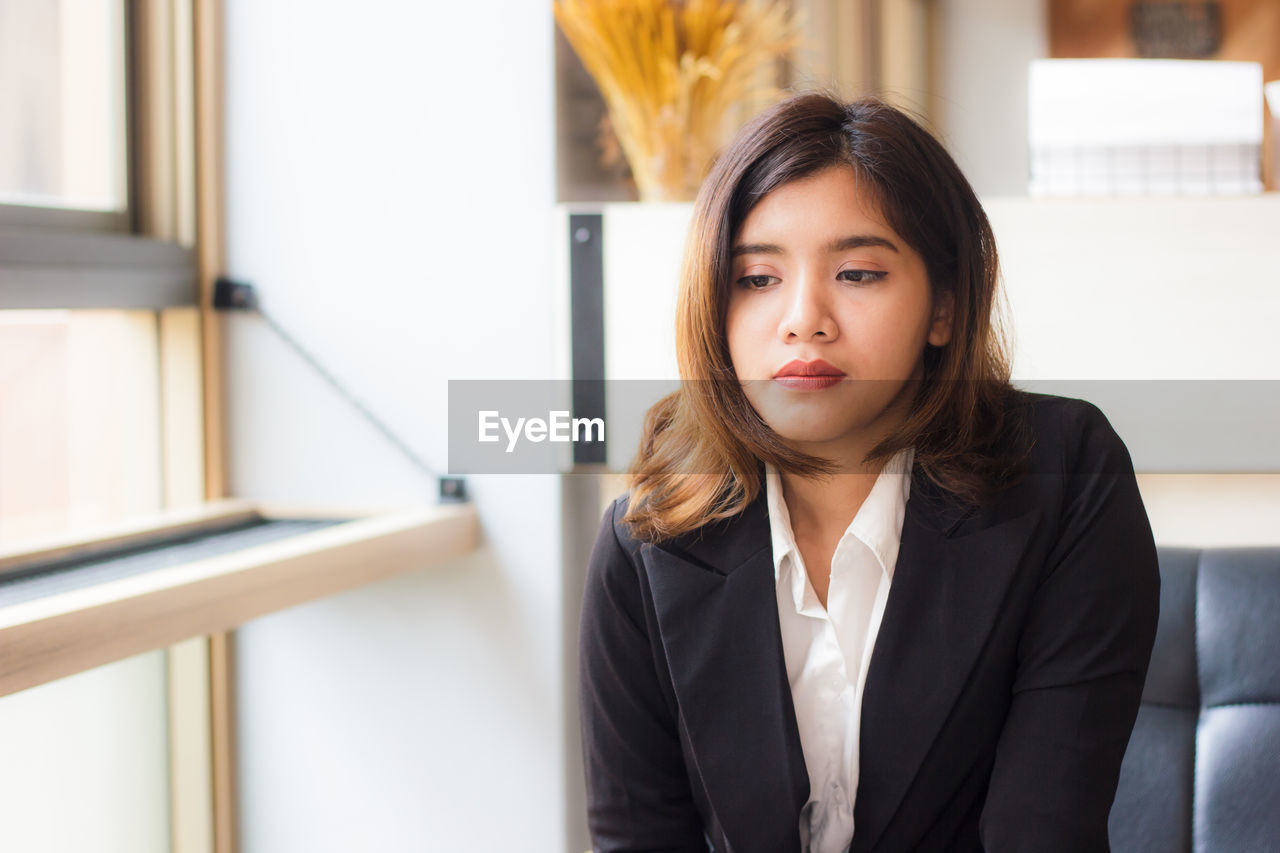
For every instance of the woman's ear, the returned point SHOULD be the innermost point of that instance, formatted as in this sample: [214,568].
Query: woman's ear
[944,307]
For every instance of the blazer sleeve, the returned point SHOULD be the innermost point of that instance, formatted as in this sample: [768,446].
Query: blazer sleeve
[1082,660]
[638,793]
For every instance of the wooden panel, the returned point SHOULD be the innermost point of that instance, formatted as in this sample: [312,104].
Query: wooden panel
[223,738]
[210,228]
[205,171]
[1081,29]
[85,541]
[182,404]
[191,769]
[55,636]
[1086,29]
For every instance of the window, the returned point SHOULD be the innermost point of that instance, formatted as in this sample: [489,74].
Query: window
[101,418]
[98,280]
[80,420]
[63,111]
[109,166]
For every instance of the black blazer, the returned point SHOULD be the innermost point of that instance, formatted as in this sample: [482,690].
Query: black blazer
[1002,689]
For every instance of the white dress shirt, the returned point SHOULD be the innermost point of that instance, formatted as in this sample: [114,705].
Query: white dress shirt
[828,649]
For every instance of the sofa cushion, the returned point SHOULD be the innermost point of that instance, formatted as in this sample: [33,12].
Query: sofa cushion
[1202,770]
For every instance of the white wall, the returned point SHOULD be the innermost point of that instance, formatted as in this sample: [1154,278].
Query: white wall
[1150,291]
[984,47]
[1142,288]
[1129,298]
[390,181]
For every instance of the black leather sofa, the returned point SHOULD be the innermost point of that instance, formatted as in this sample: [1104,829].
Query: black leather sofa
[1202,771]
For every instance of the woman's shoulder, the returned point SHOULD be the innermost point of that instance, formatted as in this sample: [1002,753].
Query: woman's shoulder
[687,543]
[1071,435]
[616,534]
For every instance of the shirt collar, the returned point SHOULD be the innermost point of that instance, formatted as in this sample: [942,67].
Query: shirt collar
[878,522]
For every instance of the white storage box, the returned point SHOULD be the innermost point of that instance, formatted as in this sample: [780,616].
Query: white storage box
[1144,126]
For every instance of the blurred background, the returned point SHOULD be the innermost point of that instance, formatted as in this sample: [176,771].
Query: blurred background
[425,192]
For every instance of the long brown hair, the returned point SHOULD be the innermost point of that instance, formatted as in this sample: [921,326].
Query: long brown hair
[703,446]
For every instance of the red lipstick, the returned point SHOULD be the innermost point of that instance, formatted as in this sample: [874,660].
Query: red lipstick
[808,375]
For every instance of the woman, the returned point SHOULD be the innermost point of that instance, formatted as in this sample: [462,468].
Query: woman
[862,593]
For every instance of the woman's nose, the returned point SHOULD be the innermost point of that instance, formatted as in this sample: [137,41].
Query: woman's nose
[808,313]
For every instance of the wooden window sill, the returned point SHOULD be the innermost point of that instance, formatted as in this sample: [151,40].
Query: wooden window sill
[57,635]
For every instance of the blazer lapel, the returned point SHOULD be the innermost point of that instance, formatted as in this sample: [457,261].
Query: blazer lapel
[715,599]
[717,612]
[953,564]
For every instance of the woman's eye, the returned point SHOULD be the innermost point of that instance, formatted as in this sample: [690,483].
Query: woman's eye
[862,276]
[755,282]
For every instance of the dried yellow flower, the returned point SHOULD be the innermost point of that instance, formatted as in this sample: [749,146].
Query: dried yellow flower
[673,74]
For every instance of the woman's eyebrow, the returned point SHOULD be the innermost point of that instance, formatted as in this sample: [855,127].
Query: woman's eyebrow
[860,241]
[755,249]
[844,244]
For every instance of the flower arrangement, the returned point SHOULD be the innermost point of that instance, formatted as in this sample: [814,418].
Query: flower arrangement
[674,74]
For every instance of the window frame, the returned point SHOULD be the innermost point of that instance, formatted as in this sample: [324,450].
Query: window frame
[73,269]
[47,638]
[164,253]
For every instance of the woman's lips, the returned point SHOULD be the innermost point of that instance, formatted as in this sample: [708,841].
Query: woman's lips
[807,383]
[808,375]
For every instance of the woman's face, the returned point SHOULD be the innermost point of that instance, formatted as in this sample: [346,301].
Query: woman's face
[821,283]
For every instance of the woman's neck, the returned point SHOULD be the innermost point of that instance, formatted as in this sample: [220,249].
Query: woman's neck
[823,508]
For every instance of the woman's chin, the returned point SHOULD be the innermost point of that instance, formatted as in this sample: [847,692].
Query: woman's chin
[810,437]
